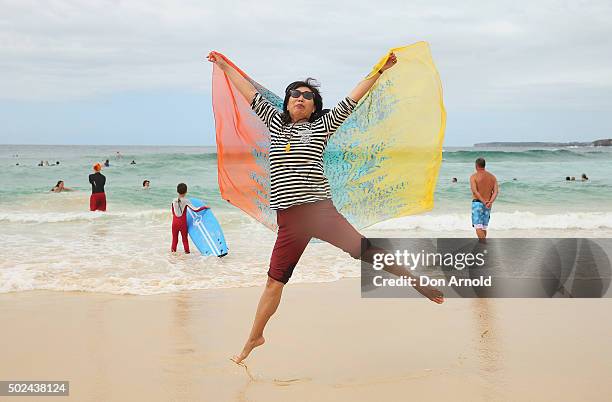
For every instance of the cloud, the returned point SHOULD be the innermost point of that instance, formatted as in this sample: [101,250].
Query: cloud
[496,54]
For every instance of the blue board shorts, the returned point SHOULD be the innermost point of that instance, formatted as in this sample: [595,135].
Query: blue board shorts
[480,215]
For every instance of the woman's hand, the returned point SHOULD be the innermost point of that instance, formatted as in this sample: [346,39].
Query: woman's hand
[215,58]
[391,61]
[364,86]
[241,83]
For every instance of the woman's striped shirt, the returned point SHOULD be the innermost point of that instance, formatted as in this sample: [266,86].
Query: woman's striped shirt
[296,174]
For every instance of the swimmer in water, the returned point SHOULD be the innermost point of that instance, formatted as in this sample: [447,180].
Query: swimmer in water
[59,187]
[145,184]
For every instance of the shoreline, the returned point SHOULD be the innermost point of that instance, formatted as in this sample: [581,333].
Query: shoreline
[165,273]
[324,342]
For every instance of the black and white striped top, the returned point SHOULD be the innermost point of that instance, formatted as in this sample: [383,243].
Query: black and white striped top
[296,175]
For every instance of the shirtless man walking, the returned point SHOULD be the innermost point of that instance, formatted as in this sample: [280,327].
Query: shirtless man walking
[484,192]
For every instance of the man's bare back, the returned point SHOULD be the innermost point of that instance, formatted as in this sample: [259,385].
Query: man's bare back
[485,185]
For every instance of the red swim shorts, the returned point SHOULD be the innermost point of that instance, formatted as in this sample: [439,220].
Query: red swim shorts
[300,223]
[97,202]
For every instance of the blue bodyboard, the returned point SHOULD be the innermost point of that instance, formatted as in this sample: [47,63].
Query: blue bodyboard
[204,230]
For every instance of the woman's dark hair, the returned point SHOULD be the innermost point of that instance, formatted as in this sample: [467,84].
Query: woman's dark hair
[181,188]
[311,84]
[57,185]
[147,181]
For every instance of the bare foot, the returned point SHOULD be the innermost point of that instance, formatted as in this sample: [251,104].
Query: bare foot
[248,347]
[432,294]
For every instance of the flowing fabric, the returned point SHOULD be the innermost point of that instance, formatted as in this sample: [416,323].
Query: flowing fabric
[382,163]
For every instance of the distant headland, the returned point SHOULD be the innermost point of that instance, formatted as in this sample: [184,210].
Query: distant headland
[597,143]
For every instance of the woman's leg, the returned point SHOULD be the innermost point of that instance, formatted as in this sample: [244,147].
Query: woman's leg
[290,244]
[331,227]
[268,303]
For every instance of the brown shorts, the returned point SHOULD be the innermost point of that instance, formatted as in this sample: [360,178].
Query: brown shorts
[300,223]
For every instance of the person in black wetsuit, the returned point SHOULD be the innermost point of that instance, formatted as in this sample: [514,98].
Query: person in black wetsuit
[97,201]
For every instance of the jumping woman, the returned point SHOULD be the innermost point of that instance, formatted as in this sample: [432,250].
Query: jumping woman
[299,190]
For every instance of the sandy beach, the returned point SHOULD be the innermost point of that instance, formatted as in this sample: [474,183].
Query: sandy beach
[324,344]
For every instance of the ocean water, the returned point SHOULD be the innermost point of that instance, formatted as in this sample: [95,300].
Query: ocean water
[51,241]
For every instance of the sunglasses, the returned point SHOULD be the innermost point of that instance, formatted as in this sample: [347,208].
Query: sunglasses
[295,93]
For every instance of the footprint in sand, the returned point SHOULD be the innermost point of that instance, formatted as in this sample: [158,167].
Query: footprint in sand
[276,381]
[285,383]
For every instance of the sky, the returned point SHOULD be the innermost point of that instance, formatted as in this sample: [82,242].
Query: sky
[134,72]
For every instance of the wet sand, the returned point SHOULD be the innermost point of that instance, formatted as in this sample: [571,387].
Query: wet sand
[324,344]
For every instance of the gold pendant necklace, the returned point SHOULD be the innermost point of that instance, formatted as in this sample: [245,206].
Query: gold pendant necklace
[288,146]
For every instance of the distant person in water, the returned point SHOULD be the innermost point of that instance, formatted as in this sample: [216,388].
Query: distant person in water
[484,192]
[41,163]
[179,218]
[133,162]
[57,162]
[567,178]
[454,180]
[584,177]
[106,163]
[145,184]
[118,155]
[59,187]
[97,200]
[573,178]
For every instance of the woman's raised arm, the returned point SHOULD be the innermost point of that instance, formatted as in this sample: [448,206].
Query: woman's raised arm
[242,84]
[337,115]
[364,86]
